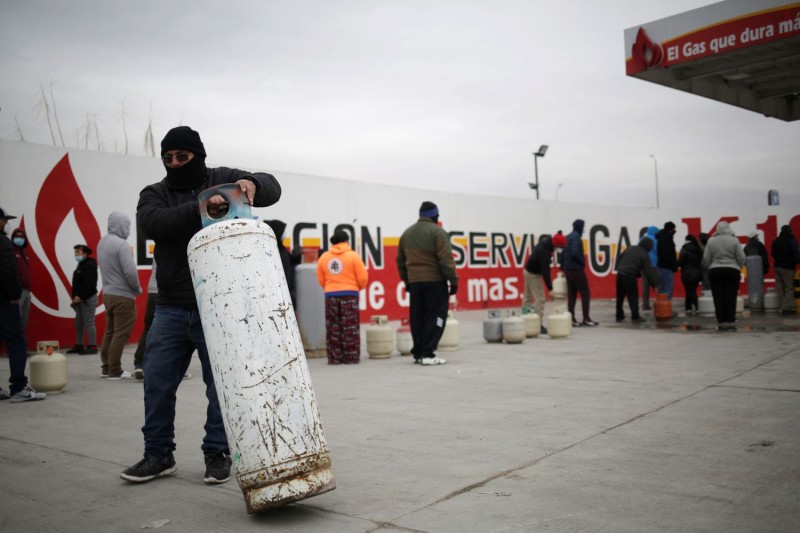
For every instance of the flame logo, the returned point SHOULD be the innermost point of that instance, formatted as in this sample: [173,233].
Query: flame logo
[63,219]
[646,54]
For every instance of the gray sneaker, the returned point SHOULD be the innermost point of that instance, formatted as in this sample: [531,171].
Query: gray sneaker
[4,395]
[28,395]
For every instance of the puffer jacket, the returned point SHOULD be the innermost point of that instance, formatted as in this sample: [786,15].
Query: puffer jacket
[341,271]
[425,254]
[723,249]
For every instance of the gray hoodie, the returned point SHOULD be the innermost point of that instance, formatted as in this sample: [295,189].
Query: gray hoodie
[723,249]
[115,258]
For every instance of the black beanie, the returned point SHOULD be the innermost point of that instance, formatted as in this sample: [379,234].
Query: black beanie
[429,210]
[669,226]
[183,138]
[339,235]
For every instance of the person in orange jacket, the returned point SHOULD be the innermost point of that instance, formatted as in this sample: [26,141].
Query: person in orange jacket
[342,274]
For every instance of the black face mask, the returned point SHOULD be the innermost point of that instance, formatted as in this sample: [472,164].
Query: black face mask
[188,176]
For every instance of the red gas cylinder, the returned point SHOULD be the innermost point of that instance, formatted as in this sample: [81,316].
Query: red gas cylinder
[662,309]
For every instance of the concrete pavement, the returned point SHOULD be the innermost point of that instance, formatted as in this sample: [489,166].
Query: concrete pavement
[618,428]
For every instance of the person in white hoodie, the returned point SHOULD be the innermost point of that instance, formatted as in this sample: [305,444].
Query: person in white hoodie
[120,289]
[724,259]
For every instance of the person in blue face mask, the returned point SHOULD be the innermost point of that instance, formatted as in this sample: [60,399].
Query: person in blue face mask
[84,301]
[20,241]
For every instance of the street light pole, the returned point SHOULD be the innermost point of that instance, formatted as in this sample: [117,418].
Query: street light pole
[655,163]
[536,156]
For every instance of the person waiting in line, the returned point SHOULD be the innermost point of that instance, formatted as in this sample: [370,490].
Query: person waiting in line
[785,257]
[537,276]
[667,259]
[11,330]
[574,268]
[425,264]
[120,289]
[650,234]
[20,241]
[84,301]
[633,264]
[690,261]
[342,275]
[755,247]
[724,259]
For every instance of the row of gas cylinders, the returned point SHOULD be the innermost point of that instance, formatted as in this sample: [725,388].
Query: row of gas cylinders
[381,337]
[515,329]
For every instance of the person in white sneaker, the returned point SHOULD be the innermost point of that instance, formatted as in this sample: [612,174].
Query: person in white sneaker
[425,263]
[11,331]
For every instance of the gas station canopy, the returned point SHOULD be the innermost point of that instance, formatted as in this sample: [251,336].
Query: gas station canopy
[741,52]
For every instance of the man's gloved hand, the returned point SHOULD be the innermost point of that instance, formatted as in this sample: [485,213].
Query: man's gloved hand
[453,288]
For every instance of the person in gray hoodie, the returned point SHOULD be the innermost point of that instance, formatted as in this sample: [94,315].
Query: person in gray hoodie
[120,289]
[634,262]
[724,259]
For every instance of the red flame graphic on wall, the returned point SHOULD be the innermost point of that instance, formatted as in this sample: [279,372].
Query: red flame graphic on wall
[58,197]
[646,54]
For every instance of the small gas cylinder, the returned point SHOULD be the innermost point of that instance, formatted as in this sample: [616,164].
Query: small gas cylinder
[560,286]
[662,309]
[771,300]
[755,281]
[493,328]
[48,368]
[513,329]
[533,324]
[379,338]
[404,340]
[739,304]
[705,304]
[559,324]
[449,340]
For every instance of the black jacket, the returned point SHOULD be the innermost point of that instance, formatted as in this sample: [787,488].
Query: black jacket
[10,288]
[170,218]
[84,279]
[667,254]
[635,260]
[785,251]
[539,261]
[691,263]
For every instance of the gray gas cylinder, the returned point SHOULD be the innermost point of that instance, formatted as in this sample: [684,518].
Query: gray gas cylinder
[493,327]
[310,309]
[755,281]
[268,405]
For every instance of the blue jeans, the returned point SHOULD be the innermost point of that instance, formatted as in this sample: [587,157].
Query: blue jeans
[666,281]
[13,335]
[173,337]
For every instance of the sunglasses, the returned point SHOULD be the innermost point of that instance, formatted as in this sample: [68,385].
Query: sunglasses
[181,157]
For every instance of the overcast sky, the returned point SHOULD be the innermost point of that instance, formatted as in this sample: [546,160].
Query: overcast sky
[439,94]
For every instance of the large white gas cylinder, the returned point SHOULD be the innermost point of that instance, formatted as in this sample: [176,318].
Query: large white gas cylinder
[269,409]
[559,324]
[310,308]
[450,335]
[705,304]
[533,324]
[48,368]
[560,286]
[513,330]
[405,342]
[379,338]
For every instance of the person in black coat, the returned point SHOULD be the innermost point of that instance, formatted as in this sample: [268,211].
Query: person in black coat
[633,263]
[785,257]
[288,259]
[168,212]
[754,247]
[84,301]
[690,262]
[667,258]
